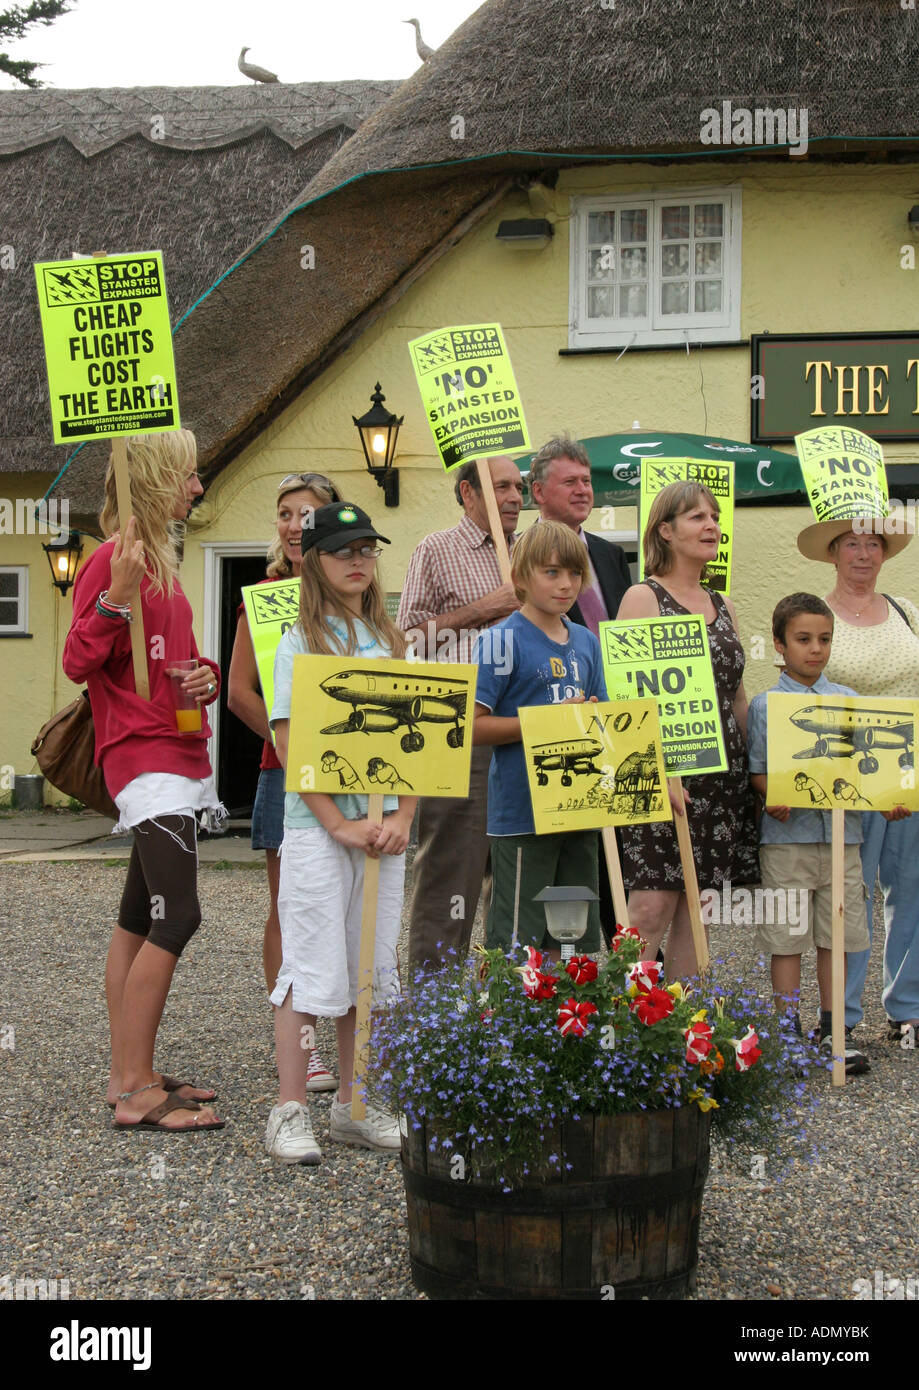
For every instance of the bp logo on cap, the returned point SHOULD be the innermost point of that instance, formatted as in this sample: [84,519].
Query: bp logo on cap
[347,514]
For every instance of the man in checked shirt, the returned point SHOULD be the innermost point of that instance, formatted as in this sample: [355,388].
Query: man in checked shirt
[452,591]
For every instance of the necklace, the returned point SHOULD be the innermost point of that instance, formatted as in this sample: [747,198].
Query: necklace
[857,612]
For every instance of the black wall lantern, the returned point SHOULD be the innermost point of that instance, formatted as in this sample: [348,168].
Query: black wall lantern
[63,557]
[379,430]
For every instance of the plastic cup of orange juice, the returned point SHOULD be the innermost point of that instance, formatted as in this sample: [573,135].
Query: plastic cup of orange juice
[188,711]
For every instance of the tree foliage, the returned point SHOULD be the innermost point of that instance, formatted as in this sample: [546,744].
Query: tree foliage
[13,24]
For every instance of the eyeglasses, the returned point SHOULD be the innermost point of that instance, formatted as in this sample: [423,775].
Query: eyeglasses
[367,552]
[307,480]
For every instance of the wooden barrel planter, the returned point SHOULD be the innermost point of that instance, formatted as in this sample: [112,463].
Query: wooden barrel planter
[623,1223]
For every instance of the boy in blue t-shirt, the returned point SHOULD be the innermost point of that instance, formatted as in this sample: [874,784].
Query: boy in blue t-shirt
[534,657]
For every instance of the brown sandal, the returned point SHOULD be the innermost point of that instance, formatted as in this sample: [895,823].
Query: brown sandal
[153,1117]
[170,1084]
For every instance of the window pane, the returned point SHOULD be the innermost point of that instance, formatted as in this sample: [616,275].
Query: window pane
[633,224]
[708,296]
[633,302]
[708,257]
[9,585]
[675,259]
[601,263]
[708,219]
[600,303]
[675,297]
[601,226]
[633,264]
[674,223]
[9,613]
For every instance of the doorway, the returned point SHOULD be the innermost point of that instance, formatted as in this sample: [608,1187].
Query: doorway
[239,750]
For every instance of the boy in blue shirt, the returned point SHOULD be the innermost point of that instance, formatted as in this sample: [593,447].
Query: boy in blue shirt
[534,657]
[795,844]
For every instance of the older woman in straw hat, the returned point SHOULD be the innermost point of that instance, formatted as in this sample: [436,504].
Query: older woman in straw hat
[876,652]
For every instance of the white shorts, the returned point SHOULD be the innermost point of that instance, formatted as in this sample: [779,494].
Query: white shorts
[319,905]
[153,794]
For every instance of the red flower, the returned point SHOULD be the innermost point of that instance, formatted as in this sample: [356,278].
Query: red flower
[536,985]
[582,969]
[572,1017]
[698,1042]
[645,975]
[652,1005]
[622,933]
[746,1049]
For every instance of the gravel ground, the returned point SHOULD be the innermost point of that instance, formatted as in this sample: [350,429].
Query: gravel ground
[150,1216]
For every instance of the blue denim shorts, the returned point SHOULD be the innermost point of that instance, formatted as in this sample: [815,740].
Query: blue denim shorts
[268,811]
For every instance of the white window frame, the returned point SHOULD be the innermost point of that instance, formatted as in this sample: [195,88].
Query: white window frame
[22,623]
[675,329]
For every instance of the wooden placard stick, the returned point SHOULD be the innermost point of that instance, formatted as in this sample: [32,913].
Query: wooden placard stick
[614,869]
[125,512]
[494,519]
[365,963]
[690,881]
[838,944]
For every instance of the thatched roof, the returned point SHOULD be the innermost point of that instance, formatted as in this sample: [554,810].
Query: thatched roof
[193,118]
[539,84]
[80,171]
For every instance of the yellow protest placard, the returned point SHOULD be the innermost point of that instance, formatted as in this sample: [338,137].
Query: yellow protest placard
[840,752]
[843,472]
[374,725]
[669,658]
[656,474]
[592,765]
[271,609]
[469,393]
[108,346]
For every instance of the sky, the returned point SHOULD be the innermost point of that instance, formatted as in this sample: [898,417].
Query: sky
[196,43]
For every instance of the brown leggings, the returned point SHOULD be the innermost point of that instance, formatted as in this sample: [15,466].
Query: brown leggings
[160,898]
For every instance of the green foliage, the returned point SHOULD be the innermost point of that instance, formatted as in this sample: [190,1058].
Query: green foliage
[13,24]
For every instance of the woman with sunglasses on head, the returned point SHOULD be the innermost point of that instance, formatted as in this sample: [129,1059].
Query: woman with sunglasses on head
[299,495]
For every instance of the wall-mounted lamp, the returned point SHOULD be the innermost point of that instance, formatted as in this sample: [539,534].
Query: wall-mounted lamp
[379,430]
[63,557]
[913,220]
[526,233]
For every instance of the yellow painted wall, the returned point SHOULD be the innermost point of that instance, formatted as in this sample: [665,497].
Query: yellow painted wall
[821,253]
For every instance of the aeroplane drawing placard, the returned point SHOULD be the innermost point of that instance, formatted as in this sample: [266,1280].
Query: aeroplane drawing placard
[669,658]
[841,752]
[364,725]
[590,765]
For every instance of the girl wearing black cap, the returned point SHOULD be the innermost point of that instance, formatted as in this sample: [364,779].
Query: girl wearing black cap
[326,841]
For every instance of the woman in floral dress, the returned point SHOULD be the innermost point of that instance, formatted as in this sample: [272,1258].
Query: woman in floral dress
[682,535]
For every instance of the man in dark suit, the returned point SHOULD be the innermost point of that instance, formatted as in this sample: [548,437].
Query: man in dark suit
[560,486]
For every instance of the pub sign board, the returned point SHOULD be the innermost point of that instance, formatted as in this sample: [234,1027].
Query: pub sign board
[869,381]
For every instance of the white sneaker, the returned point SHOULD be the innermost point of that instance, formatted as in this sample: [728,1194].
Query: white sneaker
[289,1136]
[318,1076]
[377,1131]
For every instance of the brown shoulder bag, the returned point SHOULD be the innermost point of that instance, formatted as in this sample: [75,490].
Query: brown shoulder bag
[64,749]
